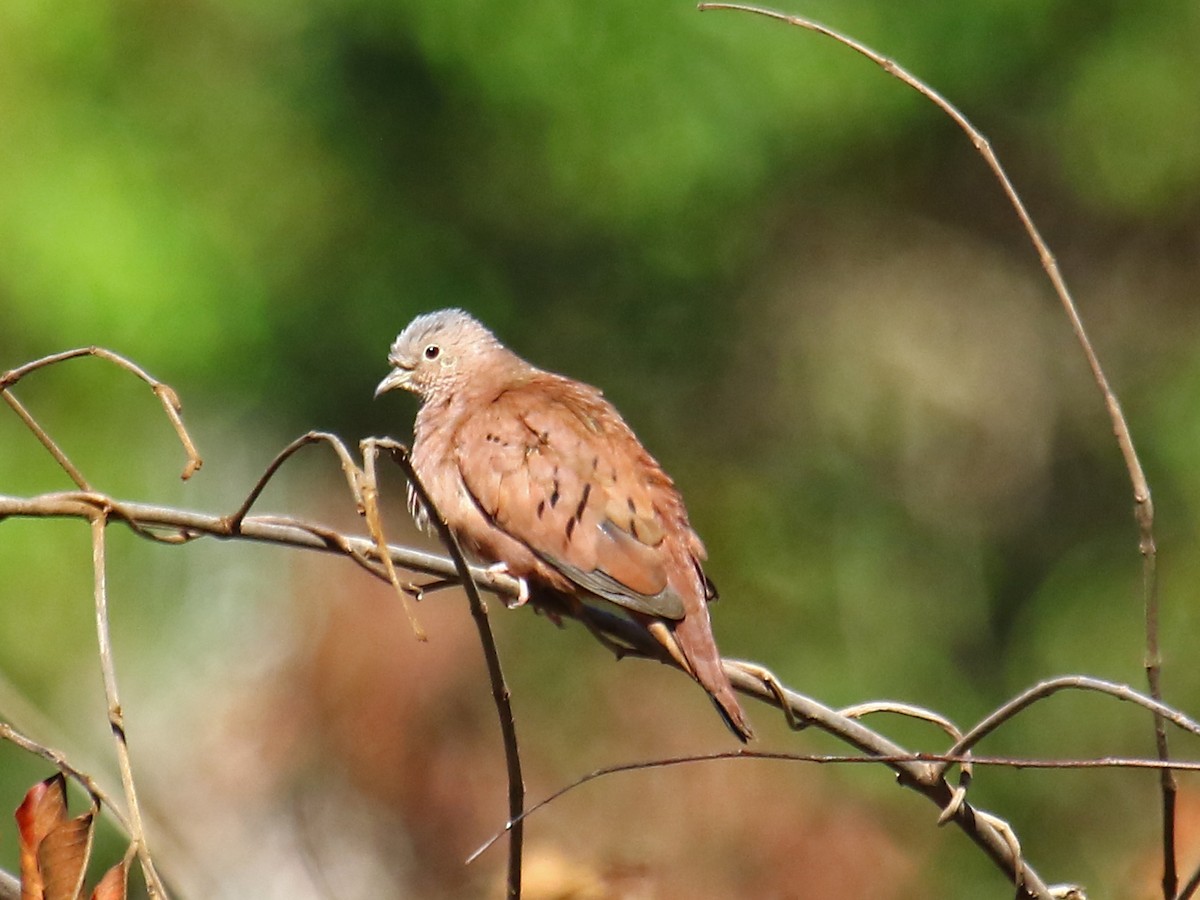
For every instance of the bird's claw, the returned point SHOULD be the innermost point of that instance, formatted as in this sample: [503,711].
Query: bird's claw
[522,586]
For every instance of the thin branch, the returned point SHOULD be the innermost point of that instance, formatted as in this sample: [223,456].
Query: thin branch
[164,392]
[61,763]
[116,716]
[188,525]
[361,483]
[45,440]
[369,501]
[859,710]
[825,759]
[500,692]
[349,469]
[925,715]
[1143,505]
[338,541]
[1072,682]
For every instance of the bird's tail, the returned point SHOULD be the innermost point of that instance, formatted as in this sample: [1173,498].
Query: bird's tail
[693,636]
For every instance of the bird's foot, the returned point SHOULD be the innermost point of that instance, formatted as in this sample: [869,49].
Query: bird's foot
[522,586]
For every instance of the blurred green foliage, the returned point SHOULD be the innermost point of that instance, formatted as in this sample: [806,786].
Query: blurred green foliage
[793,276]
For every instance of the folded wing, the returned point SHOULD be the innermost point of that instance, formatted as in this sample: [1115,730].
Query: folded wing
[553,465]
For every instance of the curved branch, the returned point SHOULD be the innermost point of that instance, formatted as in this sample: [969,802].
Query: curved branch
[164,392]
[1047,688]
[1143,505]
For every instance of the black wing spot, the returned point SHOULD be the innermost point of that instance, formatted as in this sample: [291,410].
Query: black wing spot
[555,496]
[710,589]
[571,527]
[541,508]
[632,506]
[587,490]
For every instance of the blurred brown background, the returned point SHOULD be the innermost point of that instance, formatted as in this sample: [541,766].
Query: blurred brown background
[797,281]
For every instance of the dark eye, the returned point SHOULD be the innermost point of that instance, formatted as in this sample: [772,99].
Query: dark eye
[433,351]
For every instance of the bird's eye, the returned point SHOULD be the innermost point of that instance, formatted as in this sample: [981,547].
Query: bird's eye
[433,351]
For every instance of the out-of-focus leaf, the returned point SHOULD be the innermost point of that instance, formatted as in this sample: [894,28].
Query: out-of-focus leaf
[112,885]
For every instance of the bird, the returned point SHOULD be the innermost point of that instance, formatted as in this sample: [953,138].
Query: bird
[539,476]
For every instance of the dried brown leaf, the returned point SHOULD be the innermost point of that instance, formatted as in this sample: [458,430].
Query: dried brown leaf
[62,858]
[43,809]
[112,885]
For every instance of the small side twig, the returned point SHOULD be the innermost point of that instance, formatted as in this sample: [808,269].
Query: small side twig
[349,469]
[361,483]
[925,715]
[164,392]
[45,440]
[62,764]
[369,498]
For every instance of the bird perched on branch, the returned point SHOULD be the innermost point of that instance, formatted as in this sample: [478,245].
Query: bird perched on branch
[540,474]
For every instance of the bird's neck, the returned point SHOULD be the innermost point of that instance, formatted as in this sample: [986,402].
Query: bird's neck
[442,413]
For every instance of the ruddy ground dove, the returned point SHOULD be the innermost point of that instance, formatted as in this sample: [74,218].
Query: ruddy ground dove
[540,474]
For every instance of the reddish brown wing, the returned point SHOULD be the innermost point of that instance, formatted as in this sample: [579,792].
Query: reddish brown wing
[551,463]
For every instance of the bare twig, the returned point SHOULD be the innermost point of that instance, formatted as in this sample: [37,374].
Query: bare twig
[369,500]
[500,692]
[116,716]
[945,759]
[1072,682]
[336,540]
[361,483]
[349,469]
[164,392]
[62,764]
[924,715]
[46,441]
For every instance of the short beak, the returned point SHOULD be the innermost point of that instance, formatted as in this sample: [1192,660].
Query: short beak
[397,378]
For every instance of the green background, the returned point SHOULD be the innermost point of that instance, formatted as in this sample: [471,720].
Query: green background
[794,277]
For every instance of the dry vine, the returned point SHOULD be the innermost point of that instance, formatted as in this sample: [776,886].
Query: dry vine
[1143,505]
[922,772]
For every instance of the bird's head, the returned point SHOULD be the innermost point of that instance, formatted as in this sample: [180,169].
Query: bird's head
[433,356]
